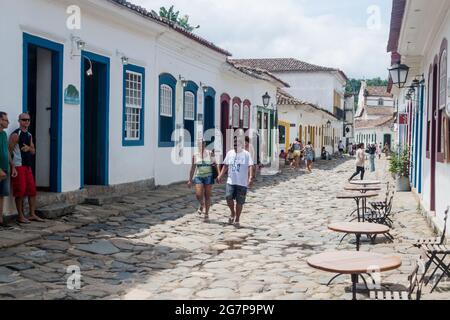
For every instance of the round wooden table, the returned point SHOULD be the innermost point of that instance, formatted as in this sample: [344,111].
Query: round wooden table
[362,189]
[365,182]
[358,229]
[358,196]
[354,263]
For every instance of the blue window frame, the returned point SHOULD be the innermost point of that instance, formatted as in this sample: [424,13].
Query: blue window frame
[166,110]
[133,105]
[190,109]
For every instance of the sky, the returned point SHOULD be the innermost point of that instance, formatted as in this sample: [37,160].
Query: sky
[350,35]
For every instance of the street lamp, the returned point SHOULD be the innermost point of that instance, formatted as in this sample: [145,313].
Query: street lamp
[328,123]
[266,99]
[399,74]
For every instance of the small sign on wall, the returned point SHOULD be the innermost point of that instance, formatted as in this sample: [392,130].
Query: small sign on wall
[71,95]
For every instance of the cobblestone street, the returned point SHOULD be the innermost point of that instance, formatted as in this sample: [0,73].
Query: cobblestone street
[153,245]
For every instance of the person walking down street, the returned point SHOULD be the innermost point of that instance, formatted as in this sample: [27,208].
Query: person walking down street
[239,165]
[372,150]
[297,151]
[22,148]
[386,150]
[360,162]
[341,148]
[201,177]
[5,165]
[309,156]
[379,151]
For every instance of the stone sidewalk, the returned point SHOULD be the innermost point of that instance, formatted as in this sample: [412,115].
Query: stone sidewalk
[153,245]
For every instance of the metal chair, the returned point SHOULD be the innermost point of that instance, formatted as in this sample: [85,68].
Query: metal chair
[436,251]
[414,288]
[379,205]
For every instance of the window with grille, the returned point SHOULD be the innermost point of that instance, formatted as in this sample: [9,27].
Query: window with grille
[189,106]
[133,105]
[236,116]
[246,116]
[166,101]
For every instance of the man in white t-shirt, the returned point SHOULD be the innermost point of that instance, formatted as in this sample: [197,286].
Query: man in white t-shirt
[239,165]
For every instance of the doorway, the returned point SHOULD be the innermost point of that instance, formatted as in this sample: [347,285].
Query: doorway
[42,99]
[387,139]
[225,125]
[209,113]
[94,119]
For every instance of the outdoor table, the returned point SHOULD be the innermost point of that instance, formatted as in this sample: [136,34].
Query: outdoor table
[358,197]
[362,188]
[354,263]
[365,182]
[359,228]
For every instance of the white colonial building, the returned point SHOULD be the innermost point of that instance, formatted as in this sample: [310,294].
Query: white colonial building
[109,100]
[320,88]
[419,38]
[307,122]
[374,118]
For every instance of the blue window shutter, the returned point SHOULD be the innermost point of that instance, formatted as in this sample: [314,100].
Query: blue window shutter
[166,124]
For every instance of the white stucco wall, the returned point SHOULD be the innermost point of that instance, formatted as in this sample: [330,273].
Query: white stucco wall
[108,29]
[314,87]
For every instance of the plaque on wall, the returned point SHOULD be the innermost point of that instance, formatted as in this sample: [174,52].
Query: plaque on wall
[71,95]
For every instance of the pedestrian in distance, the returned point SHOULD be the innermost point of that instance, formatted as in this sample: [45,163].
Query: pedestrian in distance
[360,162]
[309,156]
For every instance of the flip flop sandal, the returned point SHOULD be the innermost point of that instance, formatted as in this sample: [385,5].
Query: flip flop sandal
[206,218]
[23,222]
[230,221]
[237,225]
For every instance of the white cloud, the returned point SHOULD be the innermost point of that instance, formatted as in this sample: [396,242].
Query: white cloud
[267,28]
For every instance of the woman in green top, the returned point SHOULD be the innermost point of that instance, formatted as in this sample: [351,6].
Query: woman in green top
[202,177]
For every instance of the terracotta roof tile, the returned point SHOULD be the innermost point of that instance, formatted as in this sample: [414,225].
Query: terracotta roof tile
[378,91]
[380,111]
[149,15]
[284,98]
[366,124]
[258,73]
[286,65]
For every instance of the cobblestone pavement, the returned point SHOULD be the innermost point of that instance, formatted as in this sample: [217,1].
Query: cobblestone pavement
[153,245]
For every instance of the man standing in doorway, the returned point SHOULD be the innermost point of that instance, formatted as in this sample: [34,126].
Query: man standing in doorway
[239,165]
[5,164]
[22,148]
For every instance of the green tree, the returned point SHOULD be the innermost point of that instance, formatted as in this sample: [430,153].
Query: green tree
[174,16]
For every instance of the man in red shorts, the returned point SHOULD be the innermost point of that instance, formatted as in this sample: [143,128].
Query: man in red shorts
[22,148]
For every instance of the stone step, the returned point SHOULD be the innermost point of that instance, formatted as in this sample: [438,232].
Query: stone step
[102,200]
[55,211]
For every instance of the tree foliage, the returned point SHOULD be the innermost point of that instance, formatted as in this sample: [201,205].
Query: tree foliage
[174,16]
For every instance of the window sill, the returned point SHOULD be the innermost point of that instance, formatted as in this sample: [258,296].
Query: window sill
[133,143]
[166,144]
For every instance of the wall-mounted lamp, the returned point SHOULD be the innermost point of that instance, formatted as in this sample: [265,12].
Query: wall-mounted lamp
[266,100]
[399,74]
[89,72]
[204,87]
[183,80]
[79,44]
[123,57]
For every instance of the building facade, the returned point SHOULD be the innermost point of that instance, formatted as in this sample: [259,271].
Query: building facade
[124,97]
[307,122]
[424,48]
[375,116]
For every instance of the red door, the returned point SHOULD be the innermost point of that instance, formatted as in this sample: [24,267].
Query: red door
[433,147]
[224,125]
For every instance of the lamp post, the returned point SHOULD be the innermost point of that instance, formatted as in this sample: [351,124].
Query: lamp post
[266,100]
